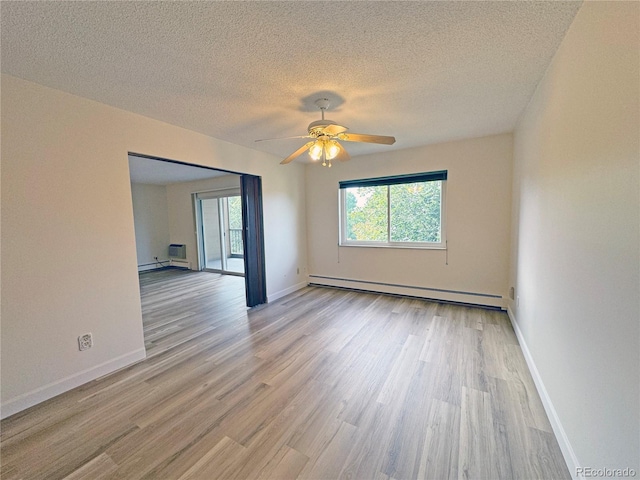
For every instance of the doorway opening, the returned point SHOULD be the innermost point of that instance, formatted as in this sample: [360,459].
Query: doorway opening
[212,217]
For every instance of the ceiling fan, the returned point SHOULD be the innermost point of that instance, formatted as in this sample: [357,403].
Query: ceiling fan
[326,135]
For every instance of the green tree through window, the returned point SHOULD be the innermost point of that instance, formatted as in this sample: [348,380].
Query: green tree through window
[235,212]
[367,213]
[415,212]
[405,213]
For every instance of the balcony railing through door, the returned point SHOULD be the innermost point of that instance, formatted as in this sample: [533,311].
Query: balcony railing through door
[235,239]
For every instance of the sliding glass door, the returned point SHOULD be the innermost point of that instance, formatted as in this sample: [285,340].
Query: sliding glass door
[220,225]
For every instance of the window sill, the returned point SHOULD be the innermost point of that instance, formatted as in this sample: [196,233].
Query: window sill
[402,246]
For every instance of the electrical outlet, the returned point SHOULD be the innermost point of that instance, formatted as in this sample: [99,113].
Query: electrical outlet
[298,271]
[85,341]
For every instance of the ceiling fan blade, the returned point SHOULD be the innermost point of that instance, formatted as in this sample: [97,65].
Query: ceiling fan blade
[297,153]
[361,137]
[342,155]
[281,138]
[333,129]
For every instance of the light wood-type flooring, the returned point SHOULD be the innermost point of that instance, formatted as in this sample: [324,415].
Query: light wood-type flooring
[322,384]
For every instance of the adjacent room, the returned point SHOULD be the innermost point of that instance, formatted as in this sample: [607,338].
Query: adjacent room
[177,205]
[291,240]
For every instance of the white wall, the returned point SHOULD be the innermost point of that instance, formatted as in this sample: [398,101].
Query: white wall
[68,242]
[477,216]
[575,221]
[181,216]
[151,222]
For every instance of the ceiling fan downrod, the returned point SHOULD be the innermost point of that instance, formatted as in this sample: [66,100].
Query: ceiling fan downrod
[322,104]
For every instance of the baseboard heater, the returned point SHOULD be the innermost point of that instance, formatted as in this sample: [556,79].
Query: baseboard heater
[153,265]
[436,294]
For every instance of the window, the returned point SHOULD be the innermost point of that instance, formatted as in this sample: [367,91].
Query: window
[402,211]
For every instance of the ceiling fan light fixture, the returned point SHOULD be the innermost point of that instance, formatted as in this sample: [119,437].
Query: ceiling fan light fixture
[331,149]
[315,152]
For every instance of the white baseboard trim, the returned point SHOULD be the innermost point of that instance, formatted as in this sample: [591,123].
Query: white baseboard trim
[148,268]
[437,294]
[565,446]
[29,399]
[282,293]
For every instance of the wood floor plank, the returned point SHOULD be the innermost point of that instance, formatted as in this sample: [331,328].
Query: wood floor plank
[323,383]
[329,462]
[216,463]
[286,464]
[366,456]
[101,467]
[406,439]
[399,378]
[441,445]
[295,417]
[265,409]
[312,437]
[441,345]
[513,415]
[145,448]
[471,363]
[482,451]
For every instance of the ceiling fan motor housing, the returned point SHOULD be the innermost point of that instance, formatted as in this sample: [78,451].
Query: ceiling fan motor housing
[315,128]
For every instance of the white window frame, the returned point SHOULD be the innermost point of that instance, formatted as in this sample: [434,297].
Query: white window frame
[342,216]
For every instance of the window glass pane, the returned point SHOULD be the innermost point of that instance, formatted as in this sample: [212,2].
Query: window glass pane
[235,226]
[415,212]
[235,212]
[366,213]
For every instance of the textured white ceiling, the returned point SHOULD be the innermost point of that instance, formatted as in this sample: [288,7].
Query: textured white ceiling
[158,172]
[424,72]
